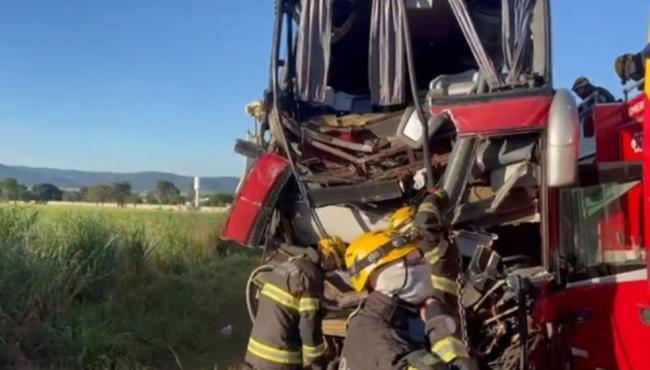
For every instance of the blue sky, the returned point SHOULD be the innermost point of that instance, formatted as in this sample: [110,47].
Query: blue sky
[131,85]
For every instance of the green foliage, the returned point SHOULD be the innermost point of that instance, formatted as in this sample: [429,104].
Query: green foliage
[120,289]
[25,194]
[46,192]
[71,196]
[151,198]
[120,192]
[220,199]
[135,198]
[12,190]
[167,193]
[98,194]
[83,191]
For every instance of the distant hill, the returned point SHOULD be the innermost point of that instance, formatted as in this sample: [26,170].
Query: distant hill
[140,181]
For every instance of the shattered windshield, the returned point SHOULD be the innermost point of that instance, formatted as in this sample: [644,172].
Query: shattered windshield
[357,47]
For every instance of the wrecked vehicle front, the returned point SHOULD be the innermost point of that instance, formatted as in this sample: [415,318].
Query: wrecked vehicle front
[372,103]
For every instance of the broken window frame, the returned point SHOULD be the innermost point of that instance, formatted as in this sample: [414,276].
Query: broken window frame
[536,36]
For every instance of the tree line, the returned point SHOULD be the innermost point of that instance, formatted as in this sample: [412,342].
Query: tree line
[120,192]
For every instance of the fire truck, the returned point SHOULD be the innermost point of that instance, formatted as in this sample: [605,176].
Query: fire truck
[371,103]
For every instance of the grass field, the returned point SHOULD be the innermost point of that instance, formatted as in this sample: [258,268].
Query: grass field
[118,289]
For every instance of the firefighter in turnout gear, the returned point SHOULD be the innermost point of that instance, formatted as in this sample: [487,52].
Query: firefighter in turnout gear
[584,89]
[287,333]
[393,271]
[442,324]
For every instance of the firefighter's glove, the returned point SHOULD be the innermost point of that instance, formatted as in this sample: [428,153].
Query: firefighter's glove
[429,213]
[423,360]
[442,330]
[427,216]
[463,364]
[440,327]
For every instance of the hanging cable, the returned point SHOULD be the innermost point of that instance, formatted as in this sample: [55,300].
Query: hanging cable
[280,12]
[410,66]
[515,35]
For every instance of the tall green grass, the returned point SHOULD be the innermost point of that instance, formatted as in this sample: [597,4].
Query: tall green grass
[82,289]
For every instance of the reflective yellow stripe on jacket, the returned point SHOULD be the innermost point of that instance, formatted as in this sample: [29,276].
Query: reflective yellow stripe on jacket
[271,354]
[310,353]
[449,348]
[308,304]
[428,361]
[428,207]
[445,284]
[284,298]
[433,255]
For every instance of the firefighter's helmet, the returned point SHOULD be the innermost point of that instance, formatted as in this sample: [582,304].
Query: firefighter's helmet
[255,109]
[372,250]
[630,67]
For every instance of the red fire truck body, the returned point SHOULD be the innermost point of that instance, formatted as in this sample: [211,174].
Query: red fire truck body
[608,317]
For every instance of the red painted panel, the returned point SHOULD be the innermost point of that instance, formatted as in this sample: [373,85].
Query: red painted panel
[252,197]
[632,141]
[633,208]
[612,334]
[635,108]
[608,120]
[499,115]
[632,150]
[646,163]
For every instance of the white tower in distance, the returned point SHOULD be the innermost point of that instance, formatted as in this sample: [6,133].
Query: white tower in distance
[197,189]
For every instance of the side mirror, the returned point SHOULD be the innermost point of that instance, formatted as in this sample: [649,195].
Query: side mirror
[563,140]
